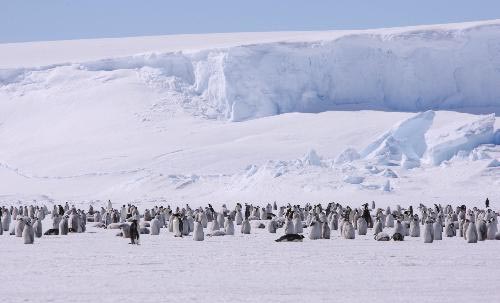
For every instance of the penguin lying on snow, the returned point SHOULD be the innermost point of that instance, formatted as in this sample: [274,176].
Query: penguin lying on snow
[397,237]
[381,236]
[290,238]
[51,232]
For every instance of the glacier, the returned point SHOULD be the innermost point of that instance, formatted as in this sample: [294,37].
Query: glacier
[417,69]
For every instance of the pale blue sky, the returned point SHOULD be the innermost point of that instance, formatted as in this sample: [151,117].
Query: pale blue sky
[22,20]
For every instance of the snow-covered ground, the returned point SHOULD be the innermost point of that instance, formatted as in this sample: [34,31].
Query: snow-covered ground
[98,266]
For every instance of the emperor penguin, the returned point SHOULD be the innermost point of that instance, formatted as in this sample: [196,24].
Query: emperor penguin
[185,226]
[461,227]
[334,222]
[471,232]
[381,236]
[177,225]
[214,225]
[362,226]
[198,234]
[325,230]
[389,220]
[245,226]
[229,225]
[220,219]
[203,218]
[28,233]
[272,225]
[450,230]
[492,228]
[37,228]
[239,217]
[155,226]
[56,219]
[263,214]
[5,220]
[297,223]
[134,230]
[428,232]
[414,226]
[482,230]
[315,231]
[63,226]
[348,230]
[289,227]
[377,227]
[438,230]
[15,213]
[399,228]
[73,222]
[171,223]
[19,226]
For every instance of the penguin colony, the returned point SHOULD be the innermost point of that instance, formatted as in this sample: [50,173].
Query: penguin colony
[297,222]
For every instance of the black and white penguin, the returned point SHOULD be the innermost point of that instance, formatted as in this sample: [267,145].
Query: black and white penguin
[290,238]
[134,232]
[398,237]
[177,225]
[28,233]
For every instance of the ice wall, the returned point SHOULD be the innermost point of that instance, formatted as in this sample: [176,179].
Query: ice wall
[412,70]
